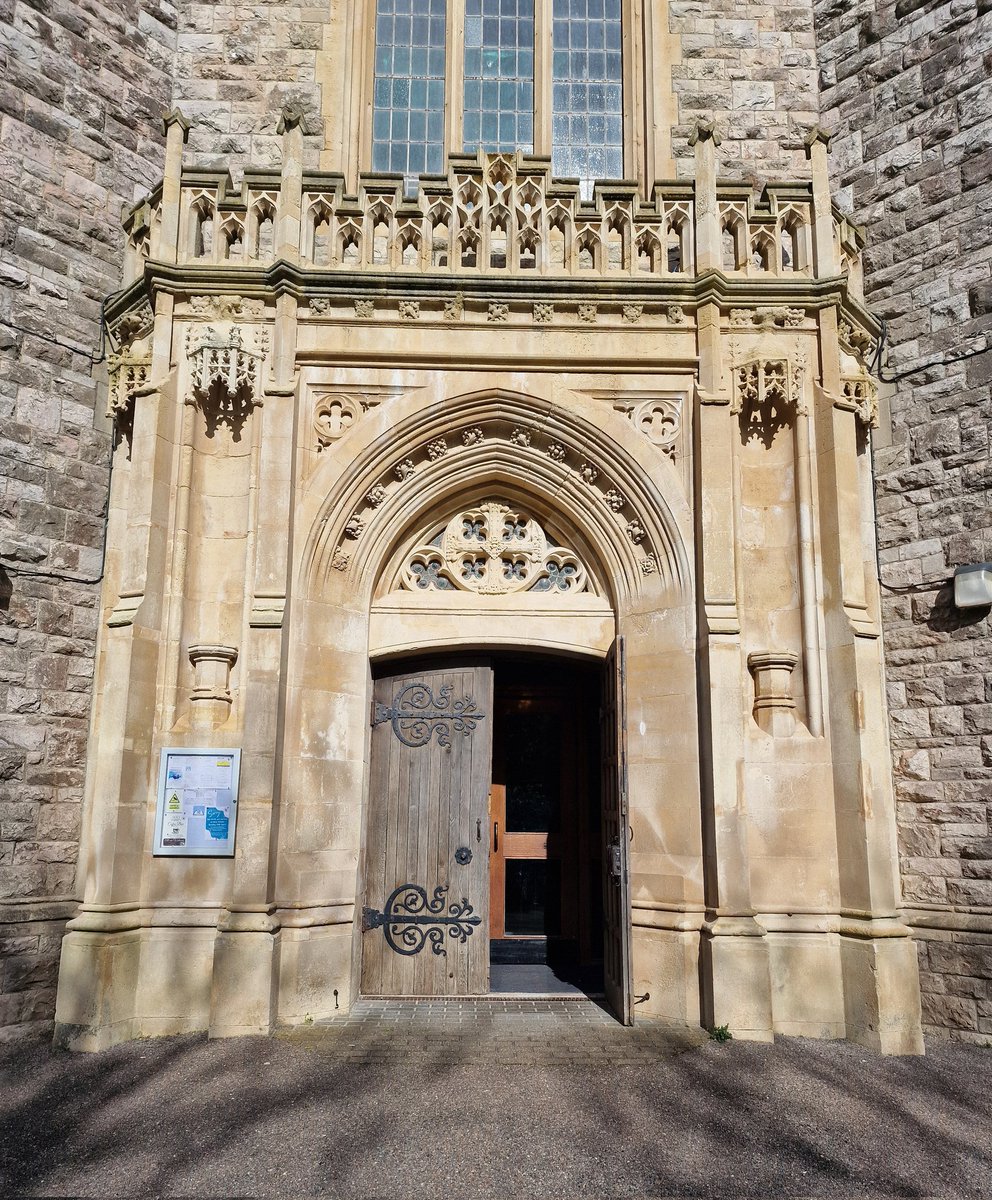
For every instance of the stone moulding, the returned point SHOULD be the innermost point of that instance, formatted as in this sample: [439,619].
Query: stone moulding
[644,551]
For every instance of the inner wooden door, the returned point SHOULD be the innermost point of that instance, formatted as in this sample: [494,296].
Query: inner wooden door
[545,856]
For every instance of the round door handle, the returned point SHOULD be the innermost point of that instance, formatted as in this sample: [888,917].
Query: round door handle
[463,856]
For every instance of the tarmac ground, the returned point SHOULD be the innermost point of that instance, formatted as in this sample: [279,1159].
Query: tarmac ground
[500,1100]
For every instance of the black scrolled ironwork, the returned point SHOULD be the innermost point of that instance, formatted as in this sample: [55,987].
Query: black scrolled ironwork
[417,715]
[409,921]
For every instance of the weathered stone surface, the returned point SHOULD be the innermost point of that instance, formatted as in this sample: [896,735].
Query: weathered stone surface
[79,126]
[905,88]
[750,67]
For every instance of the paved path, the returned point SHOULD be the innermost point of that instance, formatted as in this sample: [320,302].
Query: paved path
[494,1101]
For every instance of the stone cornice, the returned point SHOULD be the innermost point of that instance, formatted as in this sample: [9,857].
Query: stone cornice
[283,278]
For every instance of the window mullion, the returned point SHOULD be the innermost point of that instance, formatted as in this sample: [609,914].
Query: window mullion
[543,13]
[455,83]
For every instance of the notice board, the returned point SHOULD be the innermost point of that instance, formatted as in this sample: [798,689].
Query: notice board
[197,808]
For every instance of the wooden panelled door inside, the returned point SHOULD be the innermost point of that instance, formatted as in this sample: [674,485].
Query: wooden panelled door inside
[497,837]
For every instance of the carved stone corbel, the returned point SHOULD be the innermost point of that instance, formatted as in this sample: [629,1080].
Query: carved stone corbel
[127,374]
[774,704]
[211,694]
[226,373]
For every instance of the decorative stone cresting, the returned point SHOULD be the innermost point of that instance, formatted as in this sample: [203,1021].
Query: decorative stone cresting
[774,704]
[861,397]
[127,374]
[492,550]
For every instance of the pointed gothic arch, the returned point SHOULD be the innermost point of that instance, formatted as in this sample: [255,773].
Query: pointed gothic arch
[615,493]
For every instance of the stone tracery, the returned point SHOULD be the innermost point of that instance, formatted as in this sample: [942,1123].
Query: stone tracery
[492,550]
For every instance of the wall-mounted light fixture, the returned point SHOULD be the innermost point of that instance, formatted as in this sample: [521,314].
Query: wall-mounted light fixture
[973,586]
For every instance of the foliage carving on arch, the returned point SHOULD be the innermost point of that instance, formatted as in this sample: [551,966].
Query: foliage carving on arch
[491,549]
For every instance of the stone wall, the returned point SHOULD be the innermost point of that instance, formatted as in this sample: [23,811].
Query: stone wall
[81,97]
[750,65]
[238,66]
[905,87]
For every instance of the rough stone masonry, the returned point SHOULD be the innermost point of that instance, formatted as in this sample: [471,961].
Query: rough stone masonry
[82,88]
[904,83]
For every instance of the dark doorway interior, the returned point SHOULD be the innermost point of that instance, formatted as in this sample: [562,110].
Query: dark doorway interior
[546,881]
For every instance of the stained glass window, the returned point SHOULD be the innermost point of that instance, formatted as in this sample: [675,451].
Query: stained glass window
[587,90]
[408,100]
[498,109]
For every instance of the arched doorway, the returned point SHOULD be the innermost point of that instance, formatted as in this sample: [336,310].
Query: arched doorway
[486,835]
[393,576]
[492,863]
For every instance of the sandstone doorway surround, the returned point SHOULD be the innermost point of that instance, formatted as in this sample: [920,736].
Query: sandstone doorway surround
[679,437]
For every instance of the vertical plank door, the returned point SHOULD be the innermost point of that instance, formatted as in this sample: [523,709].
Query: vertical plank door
[617,971]
[426,914]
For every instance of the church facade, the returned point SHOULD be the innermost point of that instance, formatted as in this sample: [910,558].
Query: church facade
[492,574]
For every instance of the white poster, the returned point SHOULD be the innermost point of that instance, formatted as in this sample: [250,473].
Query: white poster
[197,802]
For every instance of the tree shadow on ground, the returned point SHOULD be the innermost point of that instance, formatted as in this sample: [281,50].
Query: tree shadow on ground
[274,1117]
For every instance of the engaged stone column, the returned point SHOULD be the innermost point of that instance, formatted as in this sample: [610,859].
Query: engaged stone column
[736,984]
[176,132]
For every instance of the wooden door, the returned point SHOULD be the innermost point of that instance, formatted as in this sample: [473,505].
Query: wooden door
[617,975]
[425,921]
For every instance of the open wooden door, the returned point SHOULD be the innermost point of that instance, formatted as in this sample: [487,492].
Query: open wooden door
[617,974]
[425,921]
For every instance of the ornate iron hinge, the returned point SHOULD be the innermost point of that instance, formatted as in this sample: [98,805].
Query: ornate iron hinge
[409,920]
[417,715]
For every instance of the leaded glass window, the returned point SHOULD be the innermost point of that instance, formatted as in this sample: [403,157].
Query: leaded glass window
[587,89]
[498,112]
[408,100]
[499,100]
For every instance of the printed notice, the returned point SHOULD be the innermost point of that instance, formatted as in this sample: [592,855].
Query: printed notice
[197,802]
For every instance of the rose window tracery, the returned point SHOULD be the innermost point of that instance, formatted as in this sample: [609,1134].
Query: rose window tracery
[493,550]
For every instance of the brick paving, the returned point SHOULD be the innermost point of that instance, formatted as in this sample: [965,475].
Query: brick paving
[512,1032]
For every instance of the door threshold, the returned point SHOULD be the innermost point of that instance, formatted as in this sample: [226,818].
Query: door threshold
[484,998]
[577,997]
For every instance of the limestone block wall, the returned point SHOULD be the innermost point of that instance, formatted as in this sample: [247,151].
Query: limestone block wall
[237,66]
[82,88]
[905,87]
[750,65]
